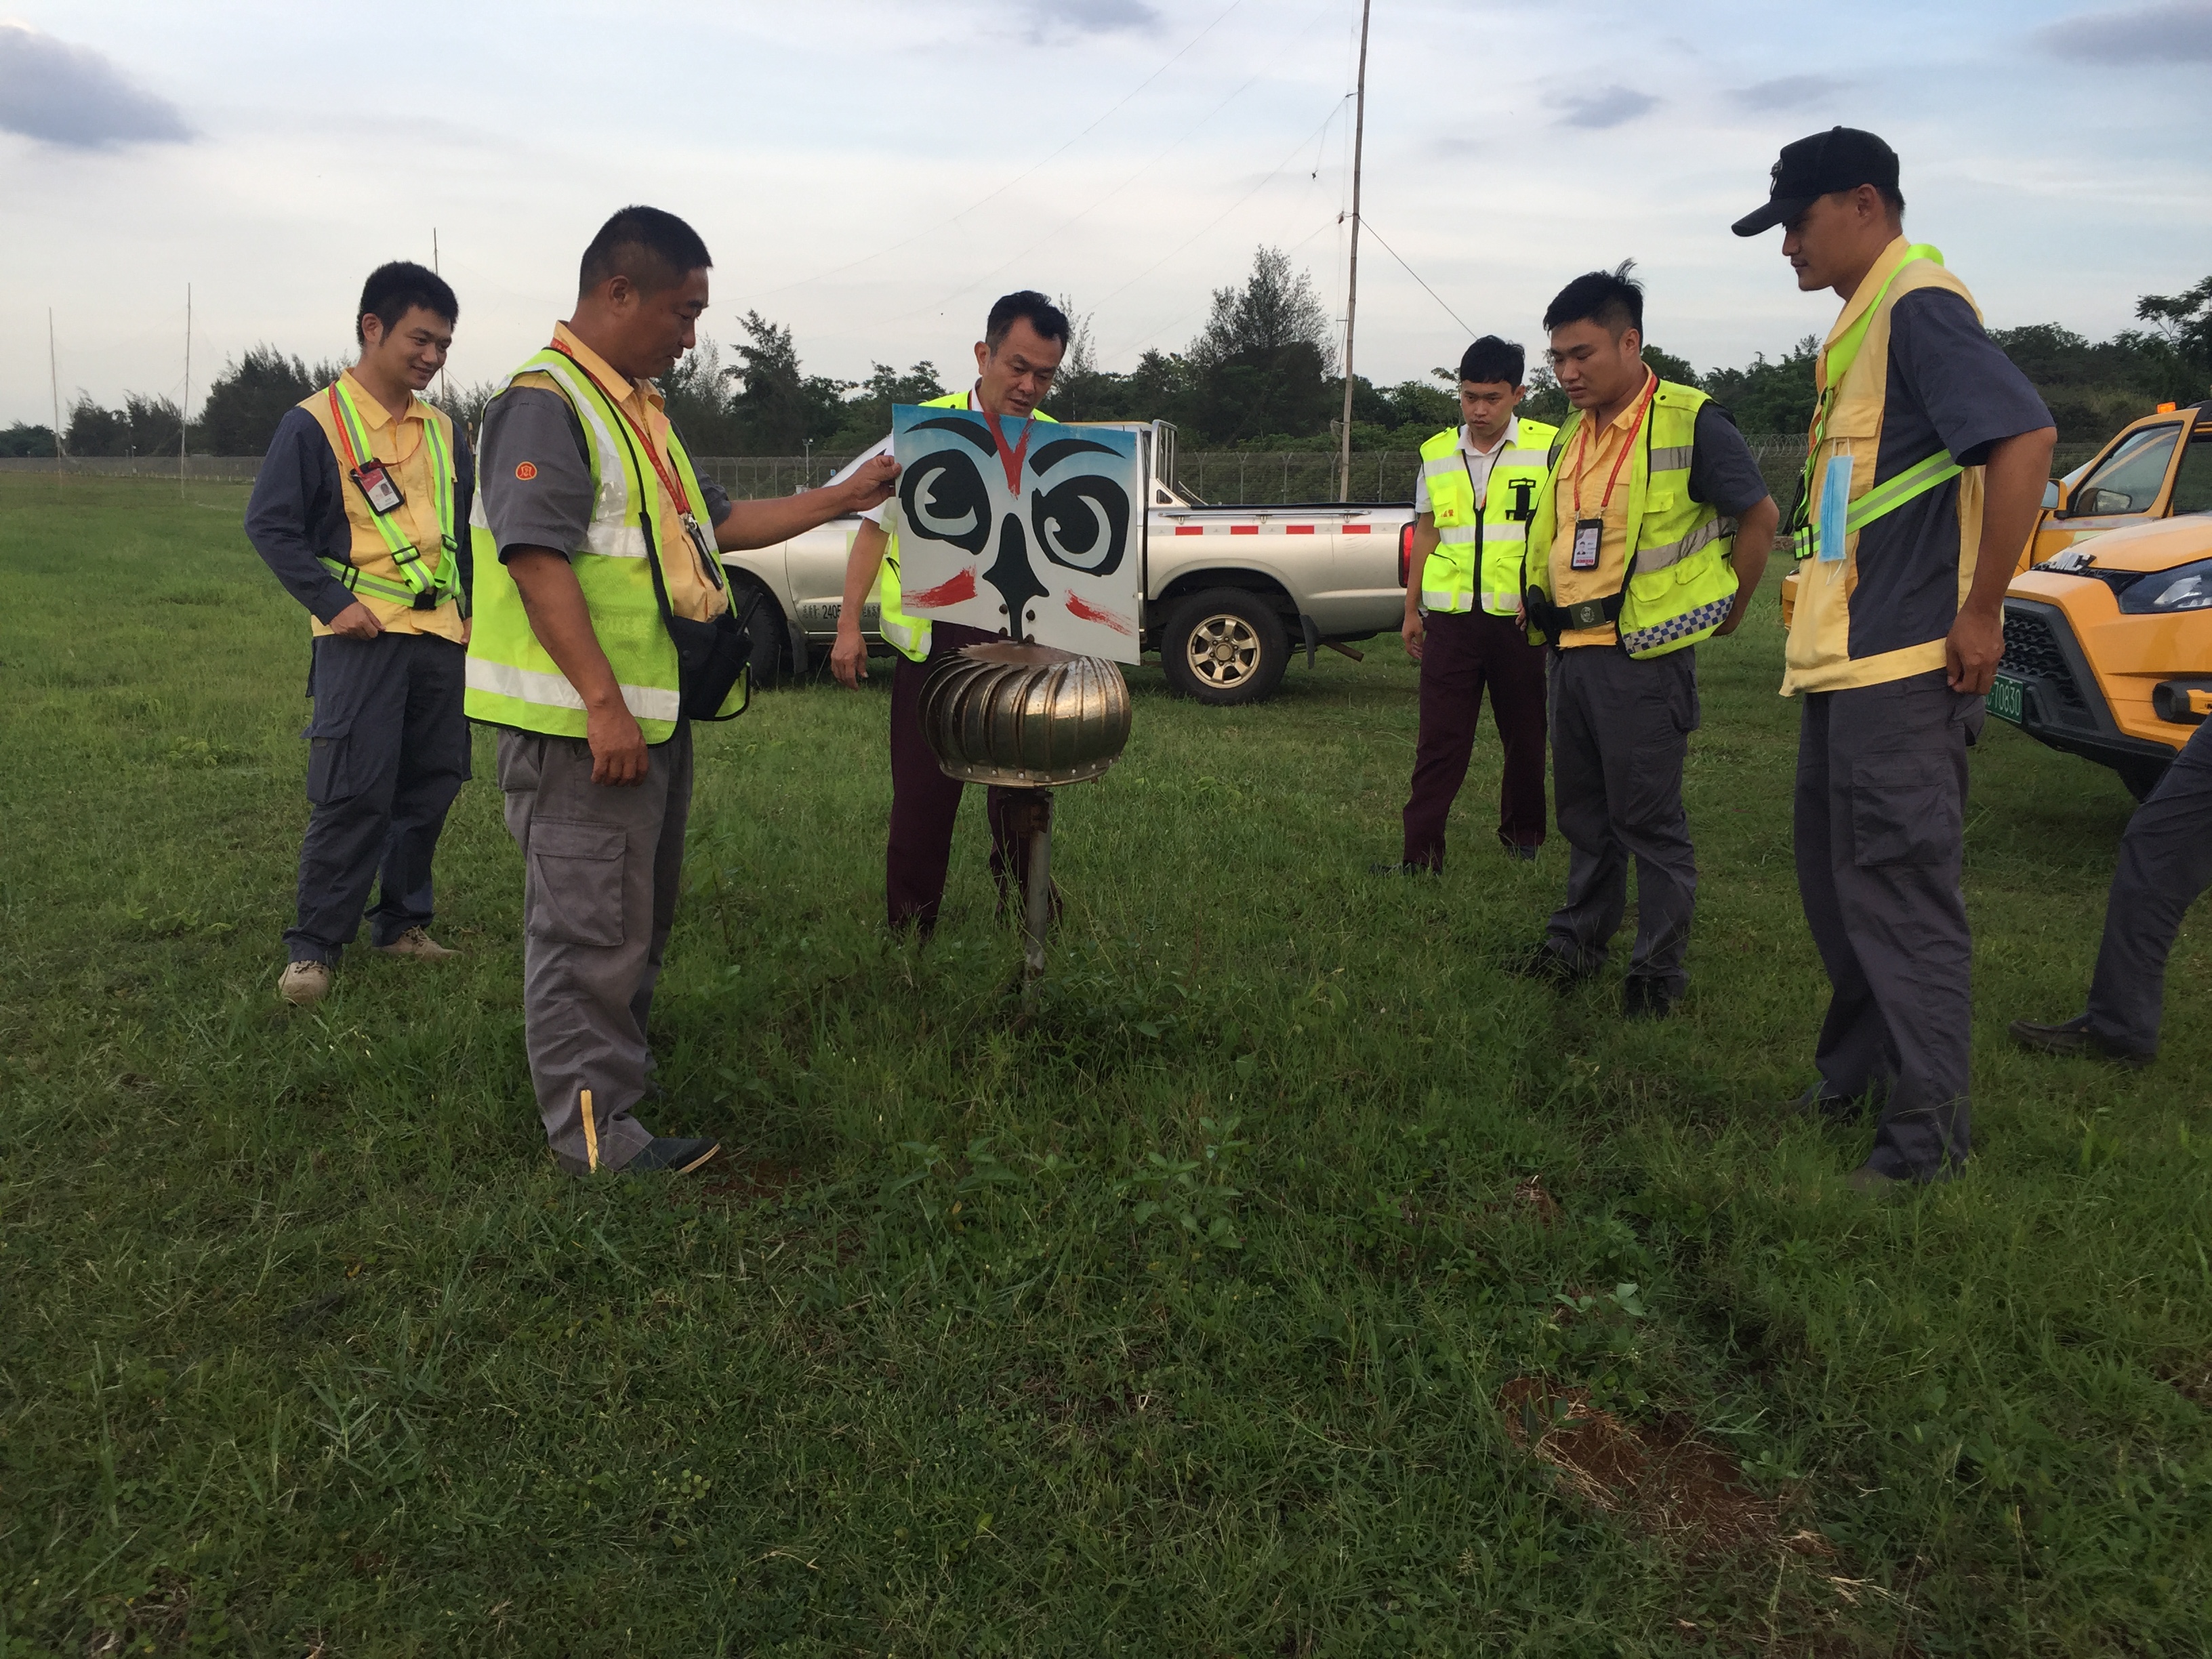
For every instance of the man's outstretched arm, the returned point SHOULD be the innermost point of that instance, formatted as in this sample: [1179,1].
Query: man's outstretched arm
[779,518]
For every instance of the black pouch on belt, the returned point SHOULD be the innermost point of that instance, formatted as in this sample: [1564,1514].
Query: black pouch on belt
[712,657]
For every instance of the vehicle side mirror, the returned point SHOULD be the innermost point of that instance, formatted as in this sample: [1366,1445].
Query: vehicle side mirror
[2051,496]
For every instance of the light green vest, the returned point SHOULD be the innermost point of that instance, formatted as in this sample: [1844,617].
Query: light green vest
[1492,540]
[903,633]
[1680,583]
[512,678]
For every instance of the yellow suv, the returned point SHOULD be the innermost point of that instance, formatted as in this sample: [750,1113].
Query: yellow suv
[2108,633]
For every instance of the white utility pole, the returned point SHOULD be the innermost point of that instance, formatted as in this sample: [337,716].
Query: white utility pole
[1351,279]
[184,414]
[54,375]
[445,390]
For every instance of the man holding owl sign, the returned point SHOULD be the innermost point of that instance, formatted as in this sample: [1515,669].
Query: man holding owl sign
[1009,531]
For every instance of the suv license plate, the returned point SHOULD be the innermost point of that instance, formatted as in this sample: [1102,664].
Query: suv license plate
[2005,698]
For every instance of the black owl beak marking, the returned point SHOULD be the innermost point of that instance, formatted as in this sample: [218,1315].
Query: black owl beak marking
[1011,575]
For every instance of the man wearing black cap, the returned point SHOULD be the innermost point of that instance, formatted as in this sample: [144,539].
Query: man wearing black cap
[1927,446]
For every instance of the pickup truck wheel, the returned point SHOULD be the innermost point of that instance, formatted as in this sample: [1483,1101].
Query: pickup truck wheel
[771,643]
[1224,646]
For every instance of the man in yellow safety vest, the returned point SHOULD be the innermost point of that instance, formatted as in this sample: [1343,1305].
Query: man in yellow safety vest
[1023,339]
[356,509]
[596,544]
[1472,505]
[1650,534]
[1928,456]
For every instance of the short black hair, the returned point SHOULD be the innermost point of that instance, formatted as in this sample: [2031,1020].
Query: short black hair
[393,290]
[1046,318]
[1892,197]
[655,250]
[1493,359]
[1612,300]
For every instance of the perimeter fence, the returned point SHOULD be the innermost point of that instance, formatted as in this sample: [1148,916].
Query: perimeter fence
[1230,477]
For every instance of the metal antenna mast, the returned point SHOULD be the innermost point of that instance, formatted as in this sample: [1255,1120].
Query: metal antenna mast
[1352,280]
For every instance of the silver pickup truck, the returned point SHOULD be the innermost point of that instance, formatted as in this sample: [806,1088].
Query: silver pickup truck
[1230,591]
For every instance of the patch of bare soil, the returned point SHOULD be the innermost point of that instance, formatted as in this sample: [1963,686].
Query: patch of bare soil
[742,1180]
[2192,1378]
[1660,1476]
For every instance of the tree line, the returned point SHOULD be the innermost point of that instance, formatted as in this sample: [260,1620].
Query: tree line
[1262,374]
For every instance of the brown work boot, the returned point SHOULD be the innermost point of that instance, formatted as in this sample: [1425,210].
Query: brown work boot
[305,983]
[417,943]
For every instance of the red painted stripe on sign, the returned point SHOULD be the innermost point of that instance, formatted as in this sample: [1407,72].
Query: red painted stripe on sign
[1243,529]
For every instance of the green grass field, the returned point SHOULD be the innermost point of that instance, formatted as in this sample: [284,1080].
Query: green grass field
[1294,1282]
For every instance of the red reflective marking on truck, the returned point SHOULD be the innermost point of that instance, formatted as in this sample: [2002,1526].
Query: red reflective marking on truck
[1190,530]
[1243,529]
[1297,530]
[956,591]
[1357,529]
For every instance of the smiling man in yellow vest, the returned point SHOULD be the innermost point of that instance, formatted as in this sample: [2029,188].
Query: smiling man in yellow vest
[356,508]
[1472,505]
[1928,447]
[595,550]
[1650,534]
[1023,339]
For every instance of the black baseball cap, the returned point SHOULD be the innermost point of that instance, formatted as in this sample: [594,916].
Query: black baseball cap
[1842,158]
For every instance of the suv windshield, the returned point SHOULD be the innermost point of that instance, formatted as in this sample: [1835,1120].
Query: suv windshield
[2129,479]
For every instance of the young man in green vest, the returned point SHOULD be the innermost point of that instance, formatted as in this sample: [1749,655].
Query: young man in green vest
[1023,339]
[356,508]
[1650,534]
[593,532]
[1472,505]
[1927,447]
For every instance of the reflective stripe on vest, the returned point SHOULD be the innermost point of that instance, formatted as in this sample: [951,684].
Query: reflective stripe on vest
[902,632]
[418,581]
[1678,585]
[512,680]
[1480,549]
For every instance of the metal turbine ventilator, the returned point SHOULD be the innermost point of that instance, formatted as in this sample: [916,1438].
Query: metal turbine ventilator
[1029,718]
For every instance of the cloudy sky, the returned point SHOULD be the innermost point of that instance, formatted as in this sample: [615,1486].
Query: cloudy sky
[873,175]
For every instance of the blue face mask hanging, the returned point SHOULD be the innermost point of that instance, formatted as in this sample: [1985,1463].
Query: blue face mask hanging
[1835,508]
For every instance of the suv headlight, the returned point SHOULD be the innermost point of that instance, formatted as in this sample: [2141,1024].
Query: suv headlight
[2186,587]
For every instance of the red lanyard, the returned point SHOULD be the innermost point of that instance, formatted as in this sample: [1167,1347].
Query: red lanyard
[1011,459]
[1642,407]
[667,479]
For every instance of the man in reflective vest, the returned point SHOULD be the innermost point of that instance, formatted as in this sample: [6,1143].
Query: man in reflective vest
[1927,446]
[1472,505]
[1023,339]
[1650,534]
[356,508]
[594,535]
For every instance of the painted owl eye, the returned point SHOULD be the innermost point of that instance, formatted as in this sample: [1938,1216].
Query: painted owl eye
[942,498]
[1082,523]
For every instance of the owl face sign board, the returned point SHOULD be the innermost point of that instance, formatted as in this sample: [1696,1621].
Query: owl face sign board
[1022,527]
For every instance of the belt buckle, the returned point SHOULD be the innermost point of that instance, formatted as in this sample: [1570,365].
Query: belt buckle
[426,602]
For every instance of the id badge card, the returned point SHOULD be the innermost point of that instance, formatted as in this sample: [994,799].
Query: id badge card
[1835,508]
[376,484]
[1588,534]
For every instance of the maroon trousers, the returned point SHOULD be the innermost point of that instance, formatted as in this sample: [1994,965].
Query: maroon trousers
[1464,653]
[924,801]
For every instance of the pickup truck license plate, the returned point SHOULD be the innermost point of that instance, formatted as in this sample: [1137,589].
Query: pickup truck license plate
[2005,699]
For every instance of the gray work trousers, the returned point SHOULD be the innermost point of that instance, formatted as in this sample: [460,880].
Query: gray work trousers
[1881,833]
[601,863]
[388,751]
[1621,729]
[2166,861]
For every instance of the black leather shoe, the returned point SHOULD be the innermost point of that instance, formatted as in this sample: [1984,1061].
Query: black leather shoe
[2075,1036]
[1645,998]
[673,1155]
[1542,962]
